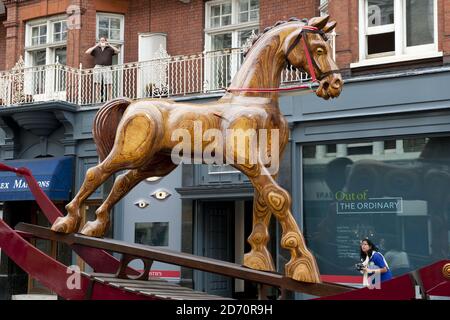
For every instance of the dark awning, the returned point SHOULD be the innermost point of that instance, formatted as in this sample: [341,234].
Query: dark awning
[54,175]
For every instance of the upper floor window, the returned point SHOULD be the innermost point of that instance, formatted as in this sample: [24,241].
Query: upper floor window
[392,30]
[45,41]
[111,26]
[229,23]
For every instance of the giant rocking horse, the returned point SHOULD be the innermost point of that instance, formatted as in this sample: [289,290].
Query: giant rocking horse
[136,135]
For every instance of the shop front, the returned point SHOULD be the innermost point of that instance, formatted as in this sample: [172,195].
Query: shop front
[374,165]
[55,176]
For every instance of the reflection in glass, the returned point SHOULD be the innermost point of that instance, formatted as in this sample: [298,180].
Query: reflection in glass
[398,196]
[152,233]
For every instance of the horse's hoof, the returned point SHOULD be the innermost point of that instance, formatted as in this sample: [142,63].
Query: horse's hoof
[65,224]
[258,261]
[94,229]
[303,269]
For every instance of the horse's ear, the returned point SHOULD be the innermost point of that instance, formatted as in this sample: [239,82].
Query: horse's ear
[329,27]
[319,22]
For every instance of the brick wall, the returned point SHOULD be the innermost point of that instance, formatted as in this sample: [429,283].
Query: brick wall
[273,10]
[2,43]
[182,22]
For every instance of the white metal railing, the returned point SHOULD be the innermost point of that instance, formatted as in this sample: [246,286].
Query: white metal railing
[164,76]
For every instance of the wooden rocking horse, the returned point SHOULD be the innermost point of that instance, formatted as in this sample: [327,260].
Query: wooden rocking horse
[136,135]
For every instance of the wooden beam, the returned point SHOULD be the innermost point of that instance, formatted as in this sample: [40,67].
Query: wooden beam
[188,261]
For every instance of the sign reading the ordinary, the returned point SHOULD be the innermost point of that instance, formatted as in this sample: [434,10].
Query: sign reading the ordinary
[359,202]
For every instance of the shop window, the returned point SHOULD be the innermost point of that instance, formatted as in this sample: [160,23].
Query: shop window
[152,233]
[397,195]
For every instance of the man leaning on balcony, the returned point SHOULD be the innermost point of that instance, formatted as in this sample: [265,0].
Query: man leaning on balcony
[103,52]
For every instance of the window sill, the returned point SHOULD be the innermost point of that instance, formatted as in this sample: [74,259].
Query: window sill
[394,59]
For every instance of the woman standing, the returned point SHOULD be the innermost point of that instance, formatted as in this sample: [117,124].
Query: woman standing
[373,262]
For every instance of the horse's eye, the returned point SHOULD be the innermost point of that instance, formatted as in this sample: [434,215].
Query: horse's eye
[161,194]
[320,51]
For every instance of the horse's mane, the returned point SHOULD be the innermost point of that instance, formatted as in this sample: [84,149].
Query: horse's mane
[259,36]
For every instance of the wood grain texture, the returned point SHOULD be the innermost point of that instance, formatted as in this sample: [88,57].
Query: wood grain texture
[137,135]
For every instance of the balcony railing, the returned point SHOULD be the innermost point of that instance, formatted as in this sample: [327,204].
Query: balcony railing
[164,76]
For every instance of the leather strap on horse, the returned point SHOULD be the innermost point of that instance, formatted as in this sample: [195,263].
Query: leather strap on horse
[311,65]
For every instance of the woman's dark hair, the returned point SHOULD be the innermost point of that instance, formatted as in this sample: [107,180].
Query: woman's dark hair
[372,246]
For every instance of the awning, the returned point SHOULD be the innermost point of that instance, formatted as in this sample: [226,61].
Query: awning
[54,175]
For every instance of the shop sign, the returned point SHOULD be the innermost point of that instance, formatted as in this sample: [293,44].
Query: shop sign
[359,203]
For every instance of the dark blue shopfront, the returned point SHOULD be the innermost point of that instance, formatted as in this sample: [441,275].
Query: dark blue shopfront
[54,176]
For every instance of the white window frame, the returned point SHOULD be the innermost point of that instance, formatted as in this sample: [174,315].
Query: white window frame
[402,52]
[114,42]
[50,48]
[233,28]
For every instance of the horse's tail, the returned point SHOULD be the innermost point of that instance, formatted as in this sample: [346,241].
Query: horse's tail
[105,125]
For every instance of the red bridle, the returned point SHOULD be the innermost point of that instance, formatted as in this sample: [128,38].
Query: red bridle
[311,65]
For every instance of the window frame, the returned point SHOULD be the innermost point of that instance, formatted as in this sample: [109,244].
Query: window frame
[118,43]
[402,51]
[234,28]
[50,46]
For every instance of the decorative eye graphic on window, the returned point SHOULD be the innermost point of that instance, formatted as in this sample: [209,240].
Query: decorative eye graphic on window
[161,194]
[141,204]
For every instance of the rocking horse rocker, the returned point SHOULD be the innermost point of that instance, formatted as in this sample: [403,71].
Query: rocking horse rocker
[136,135]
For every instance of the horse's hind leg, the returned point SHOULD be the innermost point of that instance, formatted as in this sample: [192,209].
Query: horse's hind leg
[95,176]
[122,185]
[133,146]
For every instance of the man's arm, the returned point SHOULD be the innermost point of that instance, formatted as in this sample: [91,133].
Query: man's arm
[116,51]
[89,51]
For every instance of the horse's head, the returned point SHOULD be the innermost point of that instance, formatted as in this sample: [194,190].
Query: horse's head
[307,48]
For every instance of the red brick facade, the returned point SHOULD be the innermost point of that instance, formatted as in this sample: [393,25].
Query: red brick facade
[183,23]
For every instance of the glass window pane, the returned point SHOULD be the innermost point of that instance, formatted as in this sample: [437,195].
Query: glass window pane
[38,57]
[215,11]
[103,33]
[34,41]
[103,23]
[243,17]
[226,8]
[61,54]
[215,22]
[152,233]
[42,39]
[393,198]
[254,15]
[64,36]
[43,30]
[379,43]
[115,34]
[380,12]
[419,22]
[64,26]
[35,31]
[57,27]
[243,5]
[254,4]
[56,37]
[221,41]
[226,20]
[115,23]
